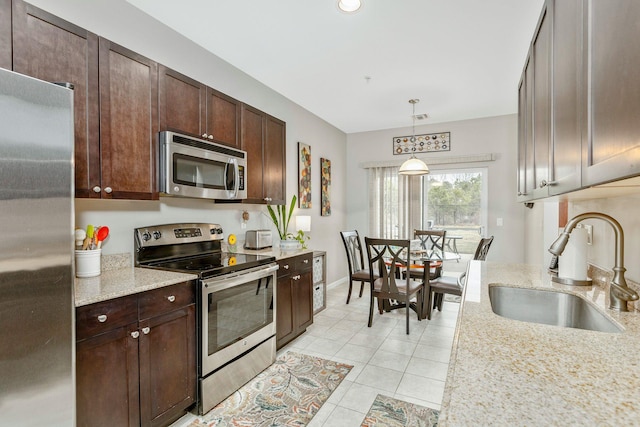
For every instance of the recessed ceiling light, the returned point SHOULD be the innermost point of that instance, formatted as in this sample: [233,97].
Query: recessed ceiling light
[349,6]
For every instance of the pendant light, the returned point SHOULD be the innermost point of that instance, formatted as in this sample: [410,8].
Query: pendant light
[413,166]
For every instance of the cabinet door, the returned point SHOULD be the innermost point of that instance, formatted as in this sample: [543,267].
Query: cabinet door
[567,95]
[613,151]
[303,300]
[107,379]
[128,123]
[182,103]
[48,48]
[167,366]
[541,50]
[274,165]
[253,133]
[285,328]
[5,35]
[223,118]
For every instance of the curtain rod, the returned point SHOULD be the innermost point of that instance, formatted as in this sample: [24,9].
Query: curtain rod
[488,157]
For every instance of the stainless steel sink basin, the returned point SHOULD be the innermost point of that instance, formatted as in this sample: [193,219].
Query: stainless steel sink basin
[549,308]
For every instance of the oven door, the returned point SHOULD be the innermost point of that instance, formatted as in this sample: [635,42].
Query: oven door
[237,313]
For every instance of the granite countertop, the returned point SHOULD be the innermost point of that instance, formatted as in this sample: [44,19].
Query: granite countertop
[274,251]
[509,373]
[118,278]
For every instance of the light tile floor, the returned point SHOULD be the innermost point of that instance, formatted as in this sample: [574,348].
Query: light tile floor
[385,359]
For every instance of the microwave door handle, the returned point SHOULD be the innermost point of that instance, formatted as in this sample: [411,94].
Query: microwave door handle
[236,174]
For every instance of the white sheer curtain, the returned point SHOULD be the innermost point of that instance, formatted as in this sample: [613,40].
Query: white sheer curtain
[394,203]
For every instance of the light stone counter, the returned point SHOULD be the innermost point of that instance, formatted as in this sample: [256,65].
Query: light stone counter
[275,251]
[119,278]
[509,373]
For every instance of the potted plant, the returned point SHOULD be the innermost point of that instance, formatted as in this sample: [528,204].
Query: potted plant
[281,216]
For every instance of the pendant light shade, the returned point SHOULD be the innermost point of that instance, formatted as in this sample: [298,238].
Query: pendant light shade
[414,166]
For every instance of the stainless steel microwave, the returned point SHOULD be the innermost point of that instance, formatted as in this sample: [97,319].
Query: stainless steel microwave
[193,167]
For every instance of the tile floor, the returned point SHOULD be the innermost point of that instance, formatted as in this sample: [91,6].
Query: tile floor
[385,359]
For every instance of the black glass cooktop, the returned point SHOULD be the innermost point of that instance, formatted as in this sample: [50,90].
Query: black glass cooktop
[213,264]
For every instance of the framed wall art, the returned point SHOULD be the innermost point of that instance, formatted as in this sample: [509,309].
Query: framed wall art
[304,176]
[424,143]
[325,184]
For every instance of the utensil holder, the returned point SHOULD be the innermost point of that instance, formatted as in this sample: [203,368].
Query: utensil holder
[88,263]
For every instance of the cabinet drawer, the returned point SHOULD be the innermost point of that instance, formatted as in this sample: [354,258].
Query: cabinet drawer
[304,262]
[285,267]
[165,299]
[94,319]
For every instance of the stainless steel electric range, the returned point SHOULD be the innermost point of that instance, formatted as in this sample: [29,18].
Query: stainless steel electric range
[235,303]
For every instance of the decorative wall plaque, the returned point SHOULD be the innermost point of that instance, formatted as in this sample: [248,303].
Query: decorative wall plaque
[423,143]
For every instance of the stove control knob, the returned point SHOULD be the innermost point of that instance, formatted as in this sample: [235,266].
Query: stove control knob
[157,235]
[146,236]
[219,230]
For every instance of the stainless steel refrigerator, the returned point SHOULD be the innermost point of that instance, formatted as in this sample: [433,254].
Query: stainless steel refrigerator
[37,350]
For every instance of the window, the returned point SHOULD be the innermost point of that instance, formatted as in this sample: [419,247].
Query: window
[454,200]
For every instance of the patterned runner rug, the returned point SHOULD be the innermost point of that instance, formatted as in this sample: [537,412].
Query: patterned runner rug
[288,393]
[389,412]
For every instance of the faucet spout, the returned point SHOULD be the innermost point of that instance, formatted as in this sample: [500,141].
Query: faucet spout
[619,292]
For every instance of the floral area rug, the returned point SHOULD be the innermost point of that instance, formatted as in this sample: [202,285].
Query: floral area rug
[288,393]
[389,412]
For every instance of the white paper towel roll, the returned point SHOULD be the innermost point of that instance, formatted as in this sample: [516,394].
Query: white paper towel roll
[572,264]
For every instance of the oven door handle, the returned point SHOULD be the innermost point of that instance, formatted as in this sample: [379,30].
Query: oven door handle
[228,280]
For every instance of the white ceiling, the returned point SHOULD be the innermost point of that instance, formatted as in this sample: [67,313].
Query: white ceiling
[461,58]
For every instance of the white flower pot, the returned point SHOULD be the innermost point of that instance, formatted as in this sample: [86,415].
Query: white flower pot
[289,245]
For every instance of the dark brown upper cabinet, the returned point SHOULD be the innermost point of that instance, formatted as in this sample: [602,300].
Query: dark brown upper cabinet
[51,49]
[613,92]
[182,102]
[5,35]
[128,123]
[264,140]
[187,106]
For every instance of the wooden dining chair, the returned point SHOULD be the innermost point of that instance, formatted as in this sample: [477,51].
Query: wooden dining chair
[453,285]
[358,271]
[432,242]
[432,246]
[387,257]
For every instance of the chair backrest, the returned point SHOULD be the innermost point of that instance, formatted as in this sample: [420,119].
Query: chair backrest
[432,241]
[483,249]
[388,257]
[352,245]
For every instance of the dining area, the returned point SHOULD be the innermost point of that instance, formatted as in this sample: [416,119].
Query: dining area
[410,274]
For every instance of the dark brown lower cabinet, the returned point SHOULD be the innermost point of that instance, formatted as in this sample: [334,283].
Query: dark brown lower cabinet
[135,358]
[294,298]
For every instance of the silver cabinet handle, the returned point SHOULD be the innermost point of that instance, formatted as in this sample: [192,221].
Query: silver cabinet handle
[210,136]
[171,298]
[286,266]
[146,330]
[268,199]
[108,190]
[97,189]
[296,277]
[306,261]
[102,318]
[204,135]
[135,334]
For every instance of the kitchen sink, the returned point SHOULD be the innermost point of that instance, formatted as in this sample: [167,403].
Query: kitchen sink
[549,308]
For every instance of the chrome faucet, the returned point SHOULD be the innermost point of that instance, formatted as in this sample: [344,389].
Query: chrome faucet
[619,292]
